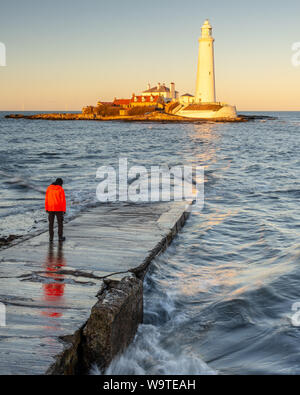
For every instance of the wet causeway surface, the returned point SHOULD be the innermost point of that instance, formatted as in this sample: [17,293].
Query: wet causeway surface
[49,290]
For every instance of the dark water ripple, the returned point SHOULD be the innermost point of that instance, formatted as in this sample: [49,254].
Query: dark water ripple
[220,299]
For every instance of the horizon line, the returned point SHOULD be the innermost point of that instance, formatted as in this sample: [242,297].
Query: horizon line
[61,110]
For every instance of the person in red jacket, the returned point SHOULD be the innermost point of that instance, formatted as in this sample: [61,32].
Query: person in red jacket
[55,205]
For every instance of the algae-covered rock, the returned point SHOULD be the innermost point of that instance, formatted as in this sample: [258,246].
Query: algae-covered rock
[113,322]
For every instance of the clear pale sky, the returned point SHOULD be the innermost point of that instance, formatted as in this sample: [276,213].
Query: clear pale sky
[64,54]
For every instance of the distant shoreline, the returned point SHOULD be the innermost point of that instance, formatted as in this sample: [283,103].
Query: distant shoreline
[152,117]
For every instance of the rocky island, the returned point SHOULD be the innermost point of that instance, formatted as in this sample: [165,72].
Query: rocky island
[153,116]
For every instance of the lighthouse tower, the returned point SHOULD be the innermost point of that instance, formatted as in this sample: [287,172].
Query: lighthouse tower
[205,89]
[204,105]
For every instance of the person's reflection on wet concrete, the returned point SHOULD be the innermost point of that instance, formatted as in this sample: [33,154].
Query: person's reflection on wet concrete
[54,286]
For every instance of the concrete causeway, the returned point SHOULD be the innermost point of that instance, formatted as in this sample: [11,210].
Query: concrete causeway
[49,290]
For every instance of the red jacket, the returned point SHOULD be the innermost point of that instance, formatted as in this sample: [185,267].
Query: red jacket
[55,199]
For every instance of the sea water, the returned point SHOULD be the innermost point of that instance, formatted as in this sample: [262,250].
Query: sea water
[222,299]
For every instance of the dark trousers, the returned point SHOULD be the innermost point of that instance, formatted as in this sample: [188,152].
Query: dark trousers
[60,220]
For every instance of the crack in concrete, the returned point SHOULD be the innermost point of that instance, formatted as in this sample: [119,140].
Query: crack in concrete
[75,273]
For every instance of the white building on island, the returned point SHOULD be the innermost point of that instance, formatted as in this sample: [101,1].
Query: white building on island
[162,90]
[187,99]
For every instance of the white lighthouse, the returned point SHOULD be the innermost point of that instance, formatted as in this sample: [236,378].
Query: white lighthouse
[203,105]
[205,88]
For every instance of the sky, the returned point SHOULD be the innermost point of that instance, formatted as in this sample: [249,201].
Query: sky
[65,54]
